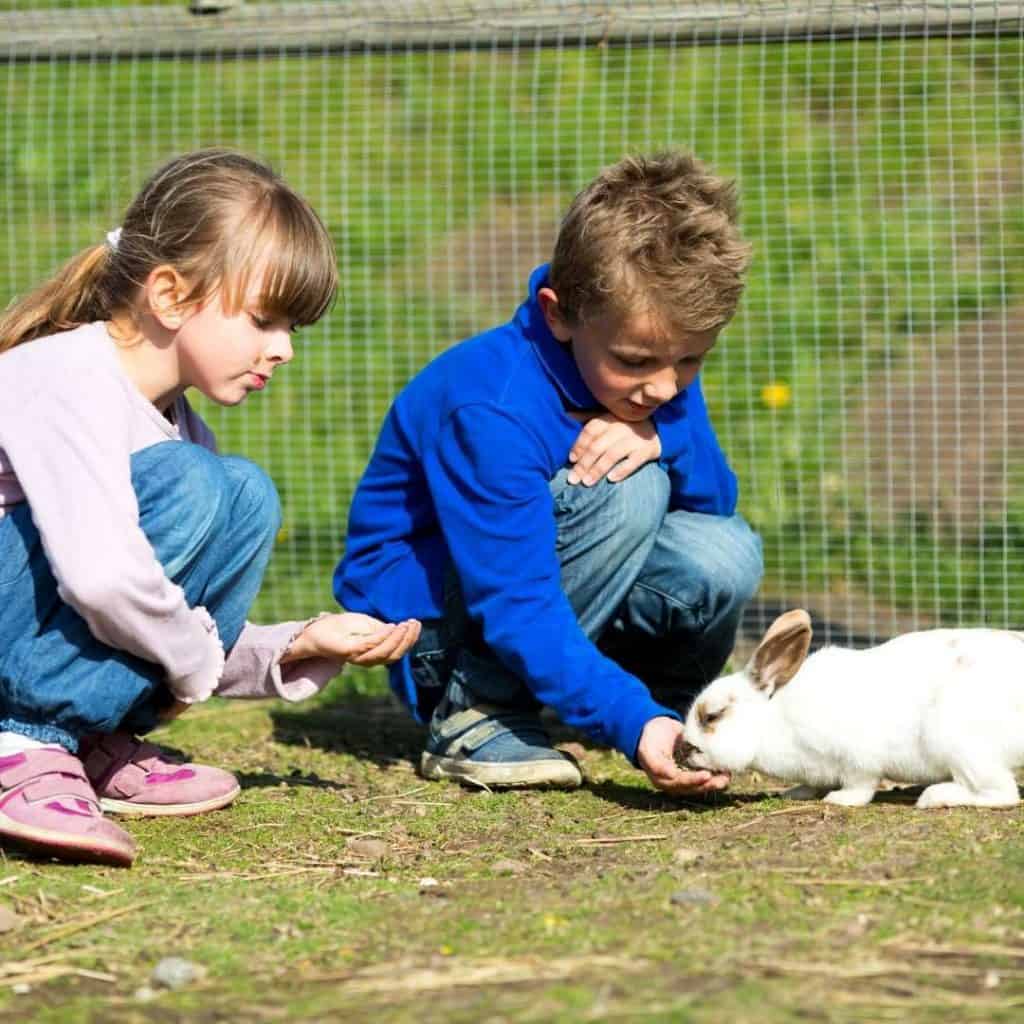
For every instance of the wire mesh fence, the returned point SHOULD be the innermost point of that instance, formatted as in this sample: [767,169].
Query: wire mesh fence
[870,393]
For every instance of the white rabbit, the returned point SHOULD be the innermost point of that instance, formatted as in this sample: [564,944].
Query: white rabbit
[927,707]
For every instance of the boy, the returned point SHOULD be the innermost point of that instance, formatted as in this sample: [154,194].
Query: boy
[554,564]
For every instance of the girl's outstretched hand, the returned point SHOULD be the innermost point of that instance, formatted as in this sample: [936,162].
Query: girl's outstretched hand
[354,638]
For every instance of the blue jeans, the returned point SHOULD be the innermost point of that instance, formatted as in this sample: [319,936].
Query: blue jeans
[660,592]
[211,520]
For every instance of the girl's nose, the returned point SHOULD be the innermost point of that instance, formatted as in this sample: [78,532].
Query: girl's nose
[280,348]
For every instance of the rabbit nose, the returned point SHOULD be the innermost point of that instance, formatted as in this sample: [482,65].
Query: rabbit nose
[683,751]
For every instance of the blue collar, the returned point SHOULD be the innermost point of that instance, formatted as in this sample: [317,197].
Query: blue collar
[555,357]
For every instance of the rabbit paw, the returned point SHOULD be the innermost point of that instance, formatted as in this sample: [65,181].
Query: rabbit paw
[952,794]
[851,796]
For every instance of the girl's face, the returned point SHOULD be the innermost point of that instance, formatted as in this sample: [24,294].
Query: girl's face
[227,355]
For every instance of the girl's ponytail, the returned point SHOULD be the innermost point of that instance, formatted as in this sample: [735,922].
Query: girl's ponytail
[74,295]
[215,216]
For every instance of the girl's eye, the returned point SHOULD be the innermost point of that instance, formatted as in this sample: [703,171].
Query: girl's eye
[632,361]
[264,323]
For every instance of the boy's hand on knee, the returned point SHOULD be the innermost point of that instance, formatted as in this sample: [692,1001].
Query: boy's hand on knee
[611,447]
[355,638]
[655,754]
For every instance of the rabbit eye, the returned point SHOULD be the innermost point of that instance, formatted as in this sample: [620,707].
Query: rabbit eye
[708,718]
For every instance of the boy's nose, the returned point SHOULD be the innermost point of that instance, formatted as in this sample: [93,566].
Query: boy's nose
[663,386]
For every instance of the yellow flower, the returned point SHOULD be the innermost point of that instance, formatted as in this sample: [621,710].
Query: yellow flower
[553,923]
[776,395]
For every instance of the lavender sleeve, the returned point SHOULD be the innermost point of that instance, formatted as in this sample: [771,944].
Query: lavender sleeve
[68,444]
[254,668]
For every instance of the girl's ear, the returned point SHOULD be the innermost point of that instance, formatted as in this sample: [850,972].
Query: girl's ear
[556,322]
[166,291]
[782,651]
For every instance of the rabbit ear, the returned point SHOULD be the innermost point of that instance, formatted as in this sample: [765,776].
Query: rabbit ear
[782,651]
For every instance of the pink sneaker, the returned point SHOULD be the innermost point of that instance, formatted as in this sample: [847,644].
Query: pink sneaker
[48,805]
[133,777]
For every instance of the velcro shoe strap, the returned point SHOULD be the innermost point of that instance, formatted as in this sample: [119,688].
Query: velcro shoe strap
[153,759]
[455,724]
[476,736]
[43,762]
[470,729]
[57,784]
[126,782]
[124,759]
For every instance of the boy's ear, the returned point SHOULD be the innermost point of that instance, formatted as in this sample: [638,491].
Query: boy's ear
[166,291]
[557,324]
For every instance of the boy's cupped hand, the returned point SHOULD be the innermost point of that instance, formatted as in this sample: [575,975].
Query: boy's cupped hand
[355,638]
[655,753]
[611,447]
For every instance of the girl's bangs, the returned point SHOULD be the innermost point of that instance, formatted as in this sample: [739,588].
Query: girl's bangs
[293,253]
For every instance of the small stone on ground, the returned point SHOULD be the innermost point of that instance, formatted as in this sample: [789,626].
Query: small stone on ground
[174,972]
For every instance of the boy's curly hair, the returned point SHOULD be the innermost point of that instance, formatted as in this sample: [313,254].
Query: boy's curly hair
[652,234]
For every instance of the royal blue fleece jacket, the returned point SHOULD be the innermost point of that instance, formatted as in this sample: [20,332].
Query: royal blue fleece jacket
[460,475]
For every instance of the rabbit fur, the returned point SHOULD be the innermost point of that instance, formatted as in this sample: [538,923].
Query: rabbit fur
[942,707]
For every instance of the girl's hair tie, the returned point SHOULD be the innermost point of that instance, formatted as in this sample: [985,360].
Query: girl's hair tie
[113,238]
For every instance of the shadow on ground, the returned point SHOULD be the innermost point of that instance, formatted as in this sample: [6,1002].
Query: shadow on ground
[370,728]
[636,798]
[270,780]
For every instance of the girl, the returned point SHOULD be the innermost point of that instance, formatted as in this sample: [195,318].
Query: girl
[130,551]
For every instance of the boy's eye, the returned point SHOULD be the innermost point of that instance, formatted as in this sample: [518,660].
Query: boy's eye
[633,361]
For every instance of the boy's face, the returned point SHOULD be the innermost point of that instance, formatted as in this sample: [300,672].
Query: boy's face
[629,365]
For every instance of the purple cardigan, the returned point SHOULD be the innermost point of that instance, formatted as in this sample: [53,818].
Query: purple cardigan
[70,419]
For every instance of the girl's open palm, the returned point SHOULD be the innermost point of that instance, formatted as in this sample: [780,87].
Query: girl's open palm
[356,639]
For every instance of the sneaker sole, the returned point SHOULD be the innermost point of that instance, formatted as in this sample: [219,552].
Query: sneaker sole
[551,774]
[128,809]
[60,845]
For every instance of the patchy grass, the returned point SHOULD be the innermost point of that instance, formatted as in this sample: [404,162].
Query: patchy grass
[342,885]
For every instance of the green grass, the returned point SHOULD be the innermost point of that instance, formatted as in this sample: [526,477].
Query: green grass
[745,909]
[880,188]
